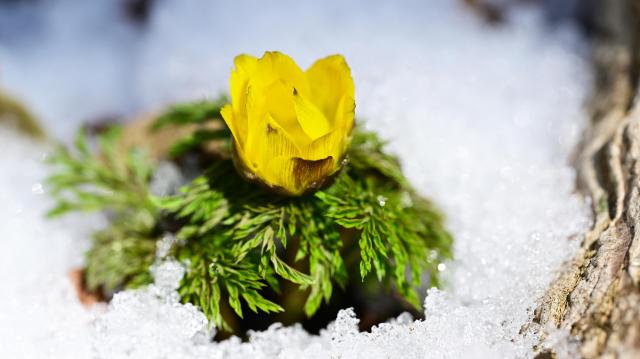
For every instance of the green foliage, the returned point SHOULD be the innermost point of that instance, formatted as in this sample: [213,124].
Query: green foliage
[396,230]
[116,183]
[120,256]
[238,223]
[399,230]
[191,113]
[111,181]
[196,113]
[240,241]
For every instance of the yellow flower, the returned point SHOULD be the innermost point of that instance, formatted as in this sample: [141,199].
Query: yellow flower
[290,127]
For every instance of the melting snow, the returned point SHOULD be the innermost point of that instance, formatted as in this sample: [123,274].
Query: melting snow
[483,119]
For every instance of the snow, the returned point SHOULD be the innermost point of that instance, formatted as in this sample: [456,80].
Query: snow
[484,120]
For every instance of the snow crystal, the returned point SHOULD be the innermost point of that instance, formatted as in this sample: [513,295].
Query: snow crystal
[164,245]
[166,179]
[483,119]
[39,311]
[151,322]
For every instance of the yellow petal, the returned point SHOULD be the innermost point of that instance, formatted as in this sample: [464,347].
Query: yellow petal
[256,120]
[260,108]
[275,66]
[236,115]
[333,145]
[245,65]
[290,128]
[268,140]
[231,120]
[279,103]
[296,175]
[311,119]
[277,143]
[345,113]
[330,80]
[278,173]
[335,142]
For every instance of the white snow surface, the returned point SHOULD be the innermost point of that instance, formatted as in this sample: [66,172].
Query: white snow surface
[483,118]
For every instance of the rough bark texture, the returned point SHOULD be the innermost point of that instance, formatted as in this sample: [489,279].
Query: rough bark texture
[597,296]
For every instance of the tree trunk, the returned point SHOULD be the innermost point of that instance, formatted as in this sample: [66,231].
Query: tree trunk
[597,295]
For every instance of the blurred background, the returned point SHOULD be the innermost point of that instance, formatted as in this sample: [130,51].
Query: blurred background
[72,61]
[482,100]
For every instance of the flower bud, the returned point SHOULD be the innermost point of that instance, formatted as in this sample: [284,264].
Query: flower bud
[291,128]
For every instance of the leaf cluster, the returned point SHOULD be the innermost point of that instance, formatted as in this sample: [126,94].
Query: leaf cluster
[246,239]
[241,242]
[117,184]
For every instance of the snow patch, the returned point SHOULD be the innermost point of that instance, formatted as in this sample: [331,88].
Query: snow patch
[483,119]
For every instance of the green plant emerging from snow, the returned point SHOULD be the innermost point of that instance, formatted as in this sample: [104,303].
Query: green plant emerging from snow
[240,241]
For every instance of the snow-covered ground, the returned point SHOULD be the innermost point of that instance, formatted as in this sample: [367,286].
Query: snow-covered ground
[483,118]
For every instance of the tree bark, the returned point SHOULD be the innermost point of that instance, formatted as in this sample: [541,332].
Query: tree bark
[597,295]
